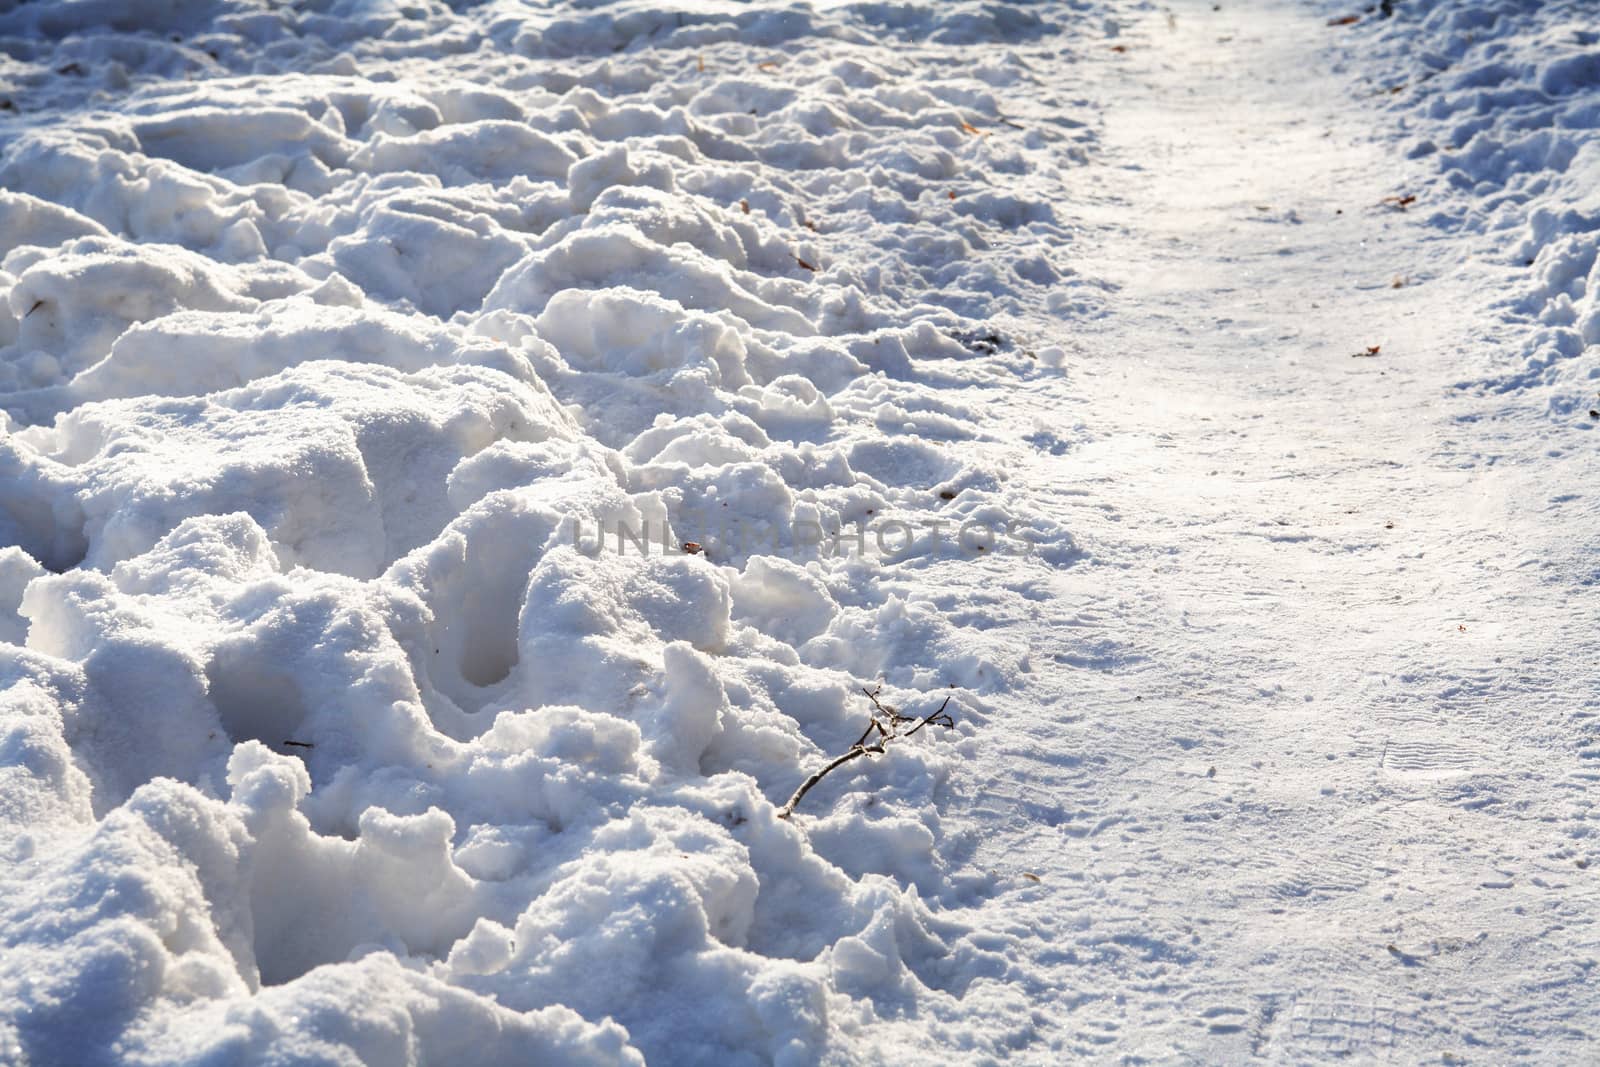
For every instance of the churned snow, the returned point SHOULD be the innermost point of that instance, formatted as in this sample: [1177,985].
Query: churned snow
[462,466]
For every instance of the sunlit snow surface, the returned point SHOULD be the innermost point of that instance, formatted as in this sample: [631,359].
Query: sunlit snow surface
[1504,99]
[329,329]
[334,333]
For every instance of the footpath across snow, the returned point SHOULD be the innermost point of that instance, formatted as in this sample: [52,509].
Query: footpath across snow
[462,466]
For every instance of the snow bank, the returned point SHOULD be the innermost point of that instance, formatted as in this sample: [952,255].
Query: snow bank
[364,369]
[1502,97]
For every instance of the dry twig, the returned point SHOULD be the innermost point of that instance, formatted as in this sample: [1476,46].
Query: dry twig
[885,722]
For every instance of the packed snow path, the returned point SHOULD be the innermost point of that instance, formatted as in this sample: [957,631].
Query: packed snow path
[1312,777]
[335,331]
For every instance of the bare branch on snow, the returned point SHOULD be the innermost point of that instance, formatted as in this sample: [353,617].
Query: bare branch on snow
[886,723]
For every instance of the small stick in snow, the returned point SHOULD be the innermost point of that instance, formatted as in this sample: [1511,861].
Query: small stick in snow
[885,721]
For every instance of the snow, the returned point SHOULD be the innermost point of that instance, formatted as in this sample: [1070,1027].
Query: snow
[1504,99]
[462,465]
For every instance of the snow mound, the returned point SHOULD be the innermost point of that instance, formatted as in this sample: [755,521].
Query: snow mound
[1503,98]
[365,370]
